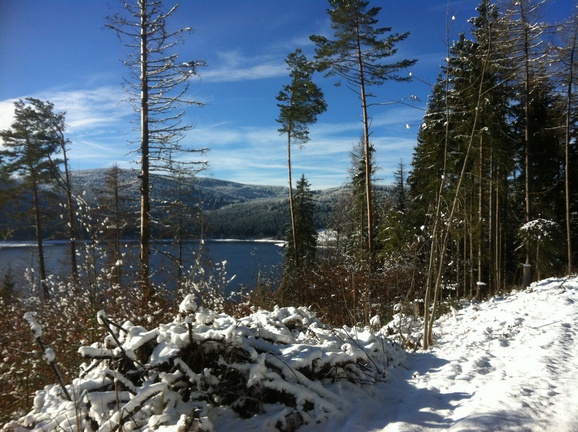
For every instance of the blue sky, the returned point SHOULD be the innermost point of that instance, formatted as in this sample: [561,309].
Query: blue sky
[61,51]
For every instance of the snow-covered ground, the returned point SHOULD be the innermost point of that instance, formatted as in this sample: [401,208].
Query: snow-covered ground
[507,364]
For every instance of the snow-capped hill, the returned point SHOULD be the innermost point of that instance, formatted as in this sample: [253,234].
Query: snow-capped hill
[212,193]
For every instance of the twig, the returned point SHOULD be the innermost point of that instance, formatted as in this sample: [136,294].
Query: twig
[37,330]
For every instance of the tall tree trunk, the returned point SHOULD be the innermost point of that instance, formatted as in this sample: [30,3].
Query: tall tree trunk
[491,218]
[71,219]
[480,211]
[117,231]
[367,151]
[527,120]
[567,148]
[144,174]
[38,227]
[291,203]
[445,233]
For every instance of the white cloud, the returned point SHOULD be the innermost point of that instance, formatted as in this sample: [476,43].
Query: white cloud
[6,114]
[85,109]
[100,129]
[98,123]
[232,66]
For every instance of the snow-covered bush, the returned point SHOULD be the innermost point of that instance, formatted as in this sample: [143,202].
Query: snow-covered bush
[283,367]
[541,240]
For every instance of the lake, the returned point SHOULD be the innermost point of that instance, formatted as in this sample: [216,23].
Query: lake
[245,260]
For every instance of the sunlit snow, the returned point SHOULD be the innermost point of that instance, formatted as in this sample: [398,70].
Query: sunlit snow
[506,364]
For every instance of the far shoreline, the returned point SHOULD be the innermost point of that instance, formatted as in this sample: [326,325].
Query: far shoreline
[33,243]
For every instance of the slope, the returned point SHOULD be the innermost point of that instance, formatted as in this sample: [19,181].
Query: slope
[507,364]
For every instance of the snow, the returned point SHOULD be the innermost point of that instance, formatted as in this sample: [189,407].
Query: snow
[49,355]
[34,325]
[506,364]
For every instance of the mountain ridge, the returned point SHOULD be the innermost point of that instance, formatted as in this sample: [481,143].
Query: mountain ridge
[230,209]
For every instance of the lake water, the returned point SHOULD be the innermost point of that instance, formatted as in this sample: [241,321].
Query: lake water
[245,260]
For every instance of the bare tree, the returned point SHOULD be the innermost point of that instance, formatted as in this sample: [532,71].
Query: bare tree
[157,86]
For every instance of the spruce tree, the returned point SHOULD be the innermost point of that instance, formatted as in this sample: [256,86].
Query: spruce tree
[567,59]
[461,162]
[300,256]
[522,42]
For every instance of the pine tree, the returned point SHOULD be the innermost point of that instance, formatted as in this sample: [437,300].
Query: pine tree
[461,163]
[396,234]
[57,125]
[357,54]
[300,103]
[522,41]
[30,146]
[478,71]
[400,188]
[300,255]
[567,58]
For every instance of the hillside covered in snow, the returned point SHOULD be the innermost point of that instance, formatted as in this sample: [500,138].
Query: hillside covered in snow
[506,364]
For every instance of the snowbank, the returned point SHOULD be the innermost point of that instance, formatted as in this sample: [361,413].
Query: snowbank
[506,364]
[274,370]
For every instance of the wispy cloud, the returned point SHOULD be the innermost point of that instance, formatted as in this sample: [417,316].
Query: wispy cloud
[100,129]
[233,66]
[259,154]
[85,109]
[98,123]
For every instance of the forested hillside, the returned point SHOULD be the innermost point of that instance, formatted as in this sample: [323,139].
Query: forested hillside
[229,209]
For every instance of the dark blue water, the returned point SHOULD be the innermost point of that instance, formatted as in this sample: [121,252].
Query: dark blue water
[242,261]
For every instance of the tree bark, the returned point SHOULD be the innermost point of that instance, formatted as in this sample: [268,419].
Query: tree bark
[38,226]
[567,149]
[144,174]
[367,151]
[291,199]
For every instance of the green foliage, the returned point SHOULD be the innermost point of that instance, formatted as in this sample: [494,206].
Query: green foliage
[306,234]
[358,54]
[256,219]
[469,157]
[354,228]
[301,101]
[30,144]
[542,237]
[358,41]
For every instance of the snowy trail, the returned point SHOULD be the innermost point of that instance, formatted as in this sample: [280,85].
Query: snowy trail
[508,364]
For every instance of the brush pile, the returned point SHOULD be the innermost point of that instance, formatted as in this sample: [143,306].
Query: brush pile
[280,369]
